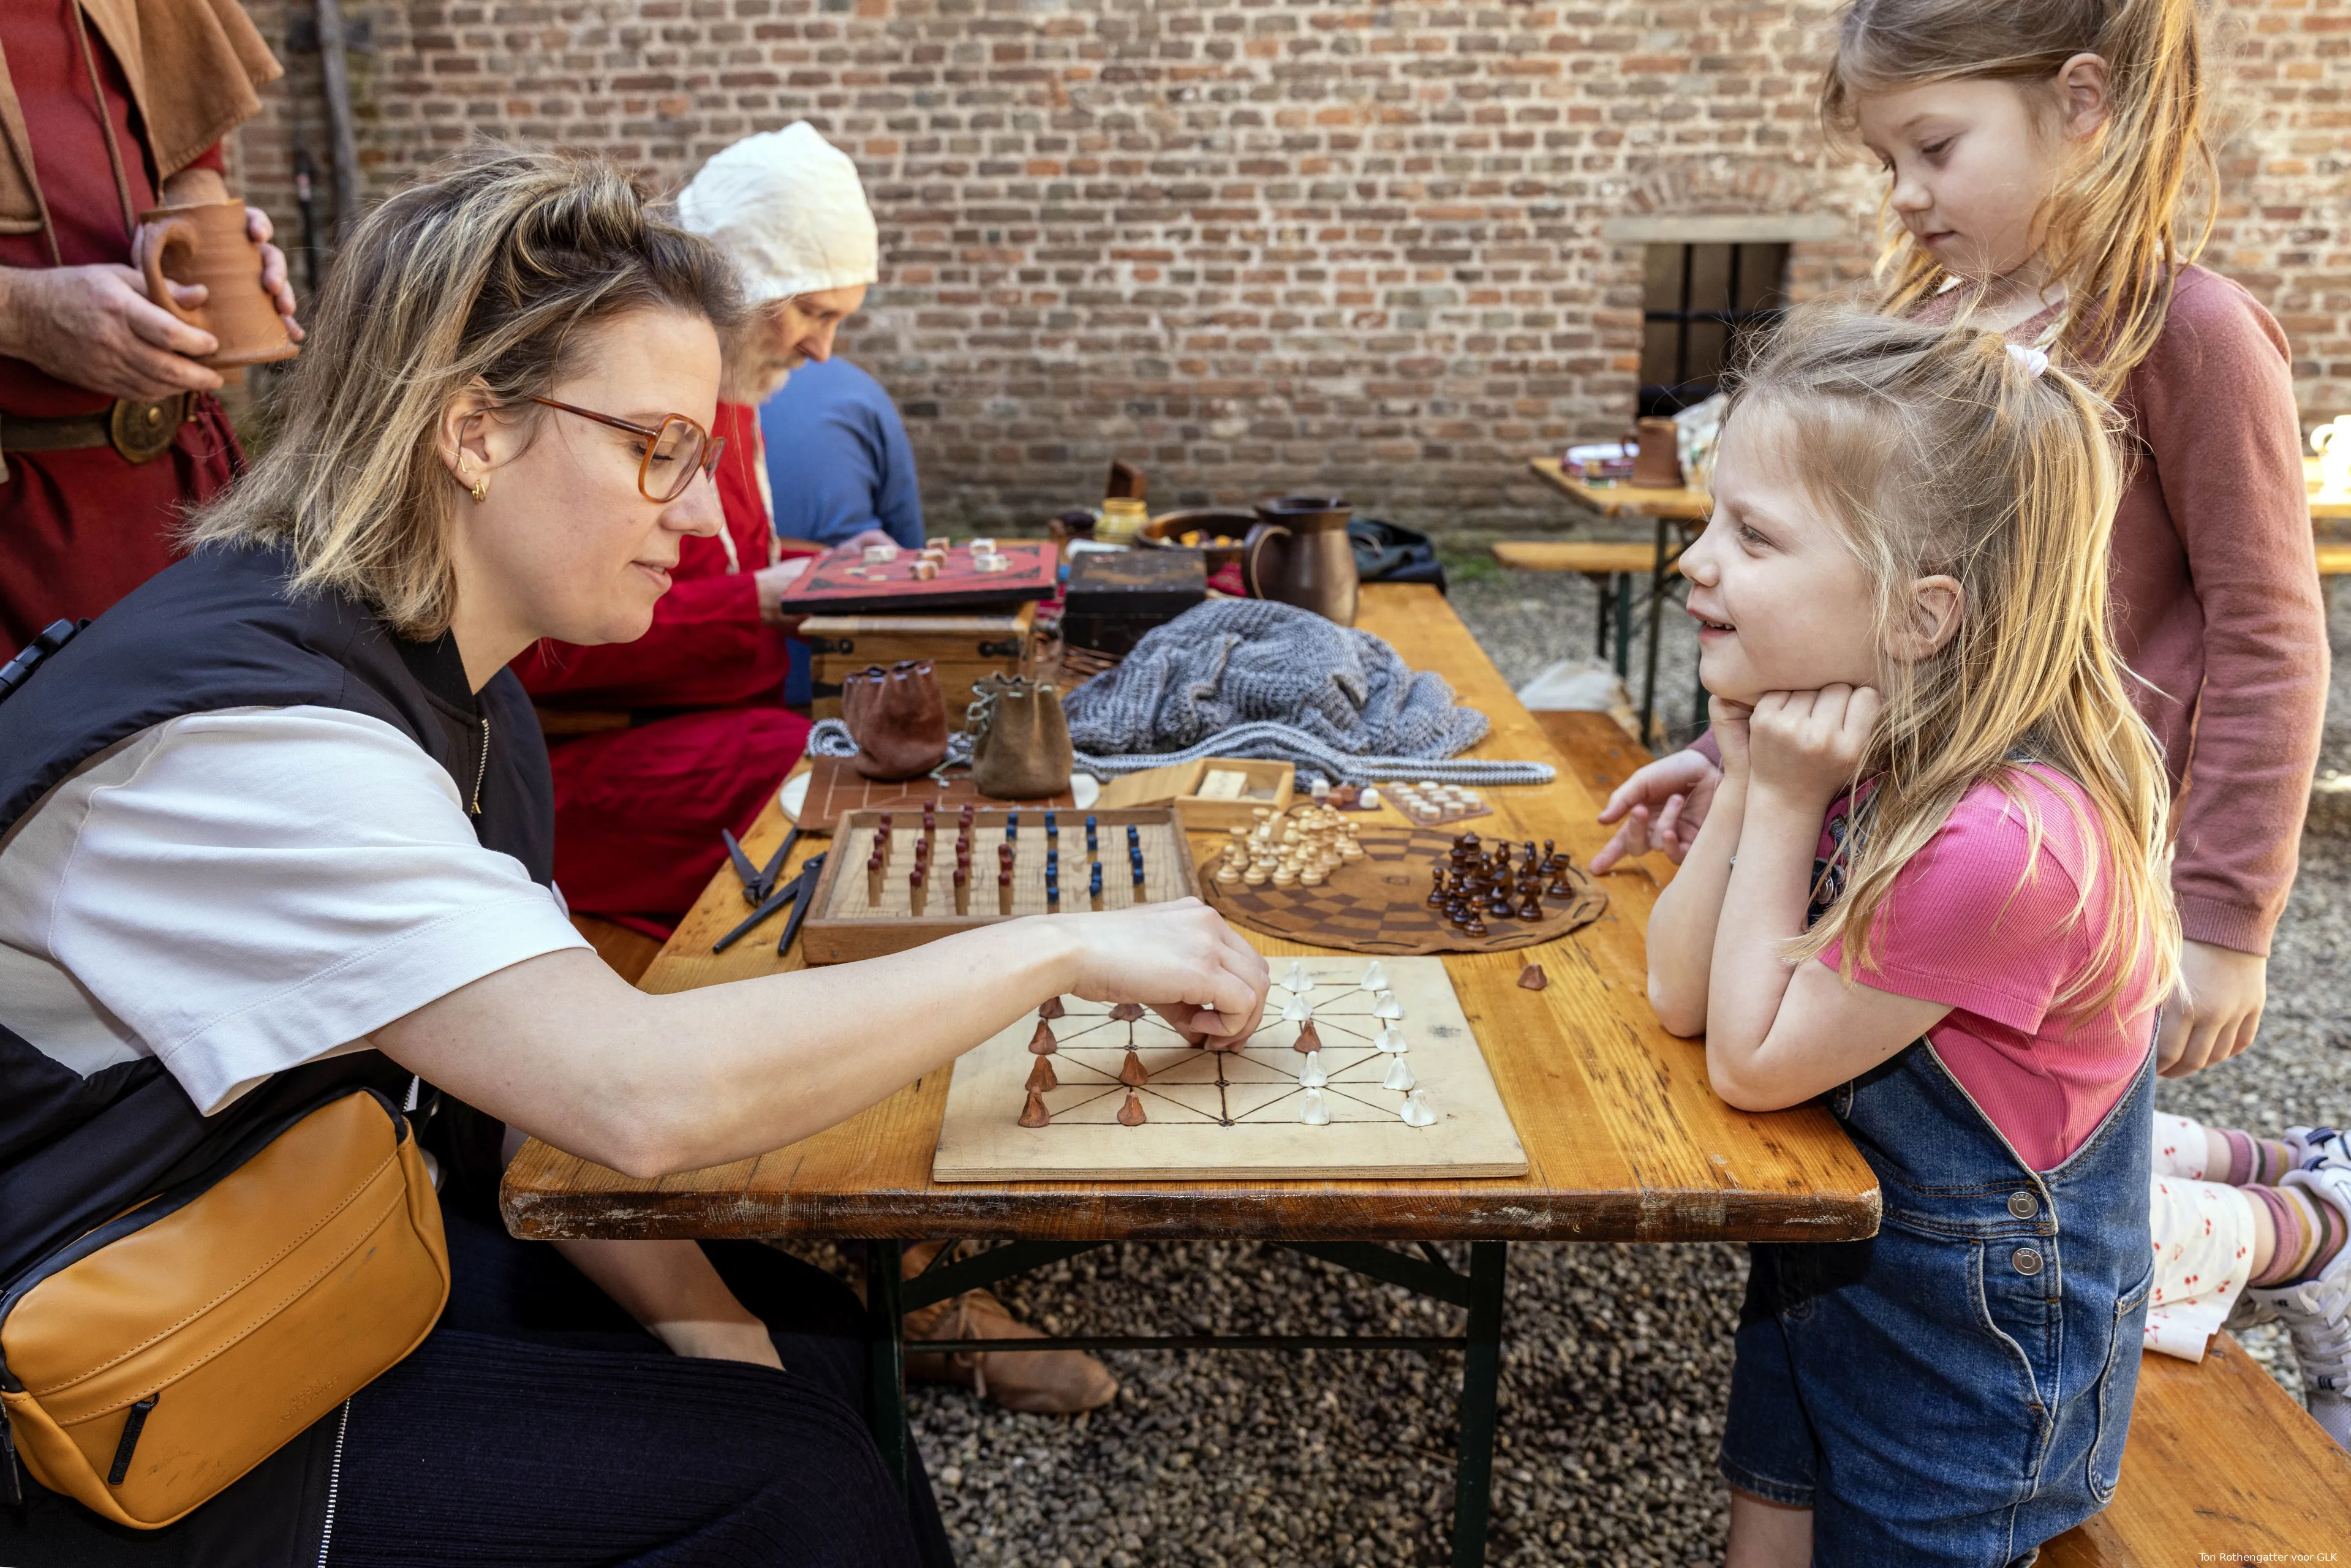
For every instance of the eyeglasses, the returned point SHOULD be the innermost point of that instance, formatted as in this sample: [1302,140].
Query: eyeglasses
[675,450]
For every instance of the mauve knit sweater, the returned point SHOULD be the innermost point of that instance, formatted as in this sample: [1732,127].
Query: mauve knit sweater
[2215,601]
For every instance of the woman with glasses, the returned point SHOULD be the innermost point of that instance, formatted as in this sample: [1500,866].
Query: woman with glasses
[283,811]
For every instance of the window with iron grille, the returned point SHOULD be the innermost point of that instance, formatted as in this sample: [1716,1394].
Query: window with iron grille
[1702,305]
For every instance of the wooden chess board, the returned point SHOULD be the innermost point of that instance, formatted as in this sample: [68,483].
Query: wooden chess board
[1377,905]
[846,922]
[842,582]
[836,787]
[1212,1115]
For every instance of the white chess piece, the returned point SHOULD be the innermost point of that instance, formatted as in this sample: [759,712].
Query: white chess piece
[1298,980]
[1399,1075]
[1313,1110]
[1388,1007]
[1312,1075]
[1297,1009]
[1374,977]
[1418,1111]
[1390,1040]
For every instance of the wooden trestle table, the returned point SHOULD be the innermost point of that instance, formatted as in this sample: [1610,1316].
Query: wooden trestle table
[1624,1139]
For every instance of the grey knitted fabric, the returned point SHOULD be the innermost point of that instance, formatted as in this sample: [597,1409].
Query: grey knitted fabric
[1233,661]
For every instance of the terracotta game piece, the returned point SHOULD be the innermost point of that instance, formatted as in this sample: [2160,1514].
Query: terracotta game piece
[1132,1073]
[1131,1113]
[1307,1038]
[1041,1077]
[1533,977]
[1034,1114]
[1051,1008]
[1127,1012]
[1041,1042]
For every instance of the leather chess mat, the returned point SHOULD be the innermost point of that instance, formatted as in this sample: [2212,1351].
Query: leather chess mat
[835,787]
[1376,905]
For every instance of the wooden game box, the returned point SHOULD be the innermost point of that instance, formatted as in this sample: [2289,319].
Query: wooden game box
[963,650]
[843,924]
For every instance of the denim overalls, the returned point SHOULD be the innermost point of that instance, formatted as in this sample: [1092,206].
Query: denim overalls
[1954,1390]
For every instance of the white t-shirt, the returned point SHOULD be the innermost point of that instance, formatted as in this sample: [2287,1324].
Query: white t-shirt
[238,893]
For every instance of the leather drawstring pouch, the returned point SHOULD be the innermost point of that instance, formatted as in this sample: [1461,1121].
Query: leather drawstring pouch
[1020,740]
[158,1357]
[898,719]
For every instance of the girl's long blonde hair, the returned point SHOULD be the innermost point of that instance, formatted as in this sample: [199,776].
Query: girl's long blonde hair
[485,276]
[2111,228]
[1938,450]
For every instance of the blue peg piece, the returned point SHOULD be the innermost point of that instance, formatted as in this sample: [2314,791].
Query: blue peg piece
[1097,878]
[1090,821]
[1053,825]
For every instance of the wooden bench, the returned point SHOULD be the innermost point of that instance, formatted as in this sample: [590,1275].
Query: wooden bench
[2222,1463]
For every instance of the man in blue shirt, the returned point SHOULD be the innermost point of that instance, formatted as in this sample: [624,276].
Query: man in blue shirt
[839,463]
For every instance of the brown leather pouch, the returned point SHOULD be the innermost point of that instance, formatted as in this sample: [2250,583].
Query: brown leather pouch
[897,718]
[153,1359]
[1020,740]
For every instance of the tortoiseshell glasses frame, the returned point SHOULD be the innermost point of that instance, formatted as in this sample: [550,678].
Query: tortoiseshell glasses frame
[677,439]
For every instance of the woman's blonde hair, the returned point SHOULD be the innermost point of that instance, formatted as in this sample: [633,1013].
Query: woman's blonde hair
[2111,226]
[481,277]
[1938,450]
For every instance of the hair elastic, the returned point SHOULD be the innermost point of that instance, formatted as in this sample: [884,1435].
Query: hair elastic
[2033,359]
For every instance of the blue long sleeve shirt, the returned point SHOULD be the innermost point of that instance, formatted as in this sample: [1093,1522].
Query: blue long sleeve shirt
[837,459]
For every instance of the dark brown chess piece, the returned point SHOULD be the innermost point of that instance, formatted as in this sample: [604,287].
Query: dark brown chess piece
[1041,1042]
[1132,1074]
[1533,977]
[1473,926]
[1436,888]
[1559,887]
[1052,1010]
[1131,1113]
[1034,1114]
[1041,1077]
[1498,903]
[1309,1038]
[1530,906]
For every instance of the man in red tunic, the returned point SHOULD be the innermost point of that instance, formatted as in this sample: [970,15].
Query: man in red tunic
[108,429]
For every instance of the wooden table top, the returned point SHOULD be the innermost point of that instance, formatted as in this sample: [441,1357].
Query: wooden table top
[1621,501]
[1624,1140]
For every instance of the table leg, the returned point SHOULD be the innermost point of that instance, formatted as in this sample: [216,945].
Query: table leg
[1606,582]
[1624,580]
[885,1354]
[1481,1378]
[1656,611]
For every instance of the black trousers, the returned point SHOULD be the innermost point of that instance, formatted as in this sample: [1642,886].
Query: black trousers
[538,1425]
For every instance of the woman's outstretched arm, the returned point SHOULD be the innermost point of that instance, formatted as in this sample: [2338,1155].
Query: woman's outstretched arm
[562,1047]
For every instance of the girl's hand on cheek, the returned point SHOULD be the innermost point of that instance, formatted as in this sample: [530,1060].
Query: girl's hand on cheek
[1804,745]
[1729,720]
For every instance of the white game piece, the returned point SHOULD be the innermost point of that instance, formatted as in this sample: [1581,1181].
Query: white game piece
[1297,1009]
[988,563]
[1313,1110]
[876,554]
[1375,978]
[1389,1041]
[1418,1111]
[981,545]
[1399,1075]
[1312,1075]
[1388,1007]
[1297,980]
[1370,797]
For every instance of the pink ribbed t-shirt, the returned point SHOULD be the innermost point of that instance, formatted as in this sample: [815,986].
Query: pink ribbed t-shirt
[1977,921]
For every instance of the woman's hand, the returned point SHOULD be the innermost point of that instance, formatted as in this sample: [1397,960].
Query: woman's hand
[2215,1011]
[1662,807]
[1804,745]
[1179,958]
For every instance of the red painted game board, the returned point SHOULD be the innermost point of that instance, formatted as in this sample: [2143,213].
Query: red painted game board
[842,582]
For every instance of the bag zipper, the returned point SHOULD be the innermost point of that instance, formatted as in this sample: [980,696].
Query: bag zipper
[8,1459]
[334,1483]
[481,773]
[131,1426]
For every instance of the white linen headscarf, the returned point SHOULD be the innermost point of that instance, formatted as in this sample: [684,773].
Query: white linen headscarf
[788,207]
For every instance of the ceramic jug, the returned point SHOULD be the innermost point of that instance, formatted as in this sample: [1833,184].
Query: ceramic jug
[1298,553]
[206,242]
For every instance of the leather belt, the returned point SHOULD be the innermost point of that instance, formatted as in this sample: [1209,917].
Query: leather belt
[141,432]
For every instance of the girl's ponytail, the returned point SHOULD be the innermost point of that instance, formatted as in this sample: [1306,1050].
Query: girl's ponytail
[2112,224]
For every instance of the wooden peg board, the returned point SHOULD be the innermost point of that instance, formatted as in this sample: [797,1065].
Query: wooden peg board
[845,924]
[1233,1115]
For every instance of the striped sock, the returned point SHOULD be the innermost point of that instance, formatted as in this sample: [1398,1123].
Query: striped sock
[2300,1232]
[2334,1231]
[2254,1161]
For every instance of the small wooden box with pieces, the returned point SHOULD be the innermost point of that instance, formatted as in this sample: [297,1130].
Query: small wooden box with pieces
[895,880]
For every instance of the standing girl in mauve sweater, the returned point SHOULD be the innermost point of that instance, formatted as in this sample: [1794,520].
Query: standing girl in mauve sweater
[1932,889]
[2037,155]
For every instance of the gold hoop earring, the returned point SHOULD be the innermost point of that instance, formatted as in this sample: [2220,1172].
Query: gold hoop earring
[481,490]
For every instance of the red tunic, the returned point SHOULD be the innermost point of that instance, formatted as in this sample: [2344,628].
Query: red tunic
[637,811]
[83,528]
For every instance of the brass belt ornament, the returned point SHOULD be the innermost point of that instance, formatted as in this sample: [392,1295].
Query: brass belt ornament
[142,431]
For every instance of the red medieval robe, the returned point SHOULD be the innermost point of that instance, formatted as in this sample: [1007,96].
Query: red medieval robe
[638,810]
[83,528]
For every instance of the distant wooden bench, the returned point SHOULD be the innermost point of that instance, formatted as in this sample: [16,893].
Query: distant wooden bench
[2221,1465]
[1594,557]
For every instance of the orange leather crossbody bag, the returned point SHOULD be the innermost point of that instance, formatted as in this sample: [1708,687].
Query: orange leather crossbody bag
[153,1359]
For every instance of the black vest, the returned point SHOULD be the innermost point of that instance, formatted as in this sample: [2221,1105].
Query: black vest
[219,631]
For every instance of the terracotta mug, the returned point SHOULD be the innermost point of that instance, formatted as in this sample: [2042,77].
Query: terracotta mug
[207,243]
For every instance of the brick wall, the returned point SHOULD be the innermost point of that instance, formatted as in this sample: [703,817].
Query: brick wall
[1255,245]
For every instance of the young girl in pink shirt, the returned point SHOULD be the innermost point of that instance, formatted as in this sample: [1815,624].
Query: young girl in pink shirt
[1931,888]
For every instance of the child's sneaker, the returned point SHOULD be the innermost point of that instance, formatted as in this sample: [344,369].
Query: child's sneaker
[2317,1313]
[2316,1146]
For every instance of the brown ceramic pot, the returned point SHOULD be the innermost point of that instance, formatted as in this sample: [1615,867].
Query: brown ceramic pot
[207,243]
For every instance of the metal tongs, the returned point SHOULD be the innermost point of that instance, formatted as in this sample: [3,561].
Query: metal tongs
[803,882]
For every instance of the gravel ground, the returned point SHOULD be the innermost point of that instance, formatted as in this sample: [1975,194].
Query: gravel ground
[1617,1358]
